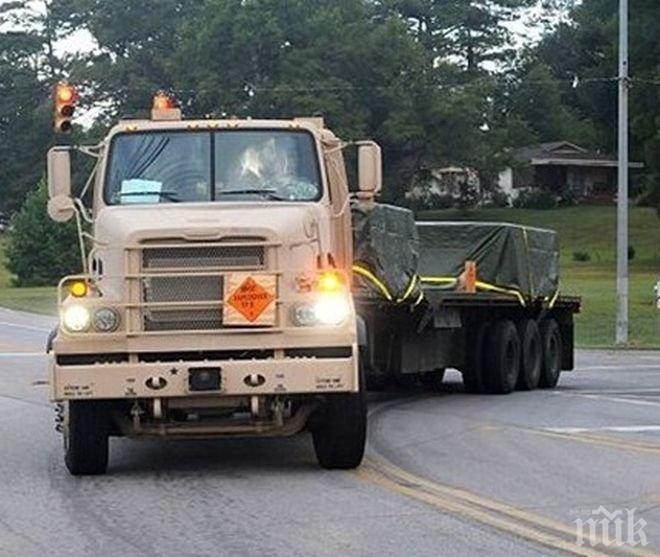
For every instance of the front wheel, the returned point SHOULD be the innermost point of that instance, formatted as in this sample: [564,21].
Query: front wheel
[86,438]
[340,432]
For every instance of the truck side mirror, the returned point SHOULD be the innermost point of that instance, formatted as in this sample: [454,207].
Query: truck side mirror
[370,173]
[60,205]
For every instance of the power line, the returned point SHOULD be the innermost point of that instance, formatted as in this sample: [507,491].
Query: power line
[251,90]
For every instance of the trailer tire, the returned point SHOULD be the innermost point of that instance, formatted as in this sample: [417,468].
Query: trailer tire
[340,432]
[473,373]
[503,367]
[433,379]
[552,354]
[86,438]
[531,354]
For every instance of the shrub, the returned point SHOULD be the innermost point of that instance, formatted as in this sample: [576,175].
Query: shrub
[497,199]
[41,251]
[535,199]
[581,256]
[631,253]
[568,199]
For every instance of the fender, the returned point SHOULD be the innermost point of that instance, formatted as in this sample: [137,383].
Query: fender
[362,333]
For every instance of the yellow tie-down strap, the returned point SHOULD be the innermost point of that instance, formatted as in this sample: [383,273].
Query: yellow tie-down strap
[552,300]
[363,271]
[444,281]
[481,285]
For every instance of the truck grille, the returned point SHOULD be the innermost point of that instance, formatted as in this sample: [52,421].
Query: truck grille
[189,257]
[177,282]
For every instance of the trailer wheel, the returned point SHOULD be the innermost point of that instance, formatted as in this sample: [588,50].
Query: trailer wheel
[433,379]
[552,349]
[530,355]
[473,373]
[86,438]
[340,432]
[503,365]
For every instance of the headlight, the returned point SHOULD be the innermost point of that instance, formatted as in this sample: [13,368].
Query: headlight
[106,320]
[328,311]
[76,318]
[304,315]
[331,310]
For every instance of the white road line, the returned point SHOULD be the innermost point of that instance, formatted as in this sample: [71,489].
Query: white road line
[637,402]
[613,429]
[21,354]
[618,367]
[27,327]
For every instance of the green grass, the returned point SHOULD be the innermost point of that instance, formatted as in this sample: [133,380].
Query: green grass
[592,230]
[37,300]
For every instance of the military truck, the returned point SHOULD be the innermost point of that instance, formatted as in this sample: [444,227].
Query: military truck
[221,296]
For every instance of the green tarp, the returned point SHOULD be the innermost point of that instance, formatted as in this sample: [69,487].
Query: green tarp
[385,244]
[395,250]
[507,255]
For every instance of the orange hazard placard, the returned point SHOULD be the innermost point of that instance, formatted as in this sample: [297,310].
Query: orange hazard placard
[249,299]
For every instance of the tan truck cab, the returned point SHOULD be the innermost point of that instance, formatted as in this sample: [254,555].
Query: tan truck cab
[216,295]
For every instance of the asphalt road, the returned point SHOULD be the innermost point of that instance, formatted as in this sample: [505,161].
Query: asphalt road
[446,474]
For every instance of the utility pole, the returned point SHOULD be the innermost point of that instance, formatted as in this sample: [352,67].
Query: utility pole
[622,316]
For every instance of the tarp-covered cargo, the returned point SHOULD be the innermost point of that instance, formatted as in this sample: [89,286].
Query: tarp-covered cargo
[385,251]
[507,255]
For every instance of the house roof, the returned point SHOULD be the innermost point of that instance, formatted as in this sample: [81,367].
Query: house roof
[565,153]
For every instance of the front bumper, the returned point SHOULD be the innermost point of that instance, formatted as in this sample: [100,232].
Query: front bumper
[276,376]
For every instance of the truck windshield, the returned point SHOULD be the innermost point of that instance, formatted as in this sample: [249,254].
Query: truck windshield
[183,166]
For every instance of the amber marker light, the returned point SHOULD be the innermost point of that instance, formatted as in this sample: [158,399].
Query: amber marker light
[330,282]
[78,288]
[163,101]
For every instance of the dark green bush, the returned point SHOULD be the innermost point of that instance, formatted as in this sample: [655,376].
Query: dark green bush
[41,251]
[535,199]
[497,199]
[581,256]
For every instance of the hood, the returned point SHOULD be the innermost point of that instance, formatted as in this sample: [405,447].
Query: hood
[119,226]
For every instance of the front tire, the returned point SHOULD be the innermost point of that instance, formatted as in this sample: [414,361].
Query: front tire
[503,352]
[86,438]
[340,432]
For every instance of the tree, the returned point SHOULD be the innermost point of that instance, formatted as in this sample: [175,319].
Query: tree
[537,98]
[134,41]
[24,108]
[40,251]
[586,47]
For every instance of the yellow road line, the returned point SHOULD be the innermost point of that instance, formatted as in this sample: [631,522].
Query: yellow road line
[606,441]
[535,528]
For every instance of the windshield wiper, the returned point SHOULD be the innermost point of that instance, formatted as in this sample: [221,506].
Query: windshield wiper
[267,194]
[169,195]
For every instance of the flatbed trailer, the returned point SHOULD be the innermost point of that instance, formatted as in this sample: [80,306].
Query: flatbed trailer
[496,342]
[482,298]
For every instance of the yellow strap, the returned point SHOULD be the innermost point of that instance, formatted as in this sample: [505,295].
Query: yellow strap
[492,288]
[409,290]
[419,298]
[374,279]
[439,280]
[553,300]
[482,285]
